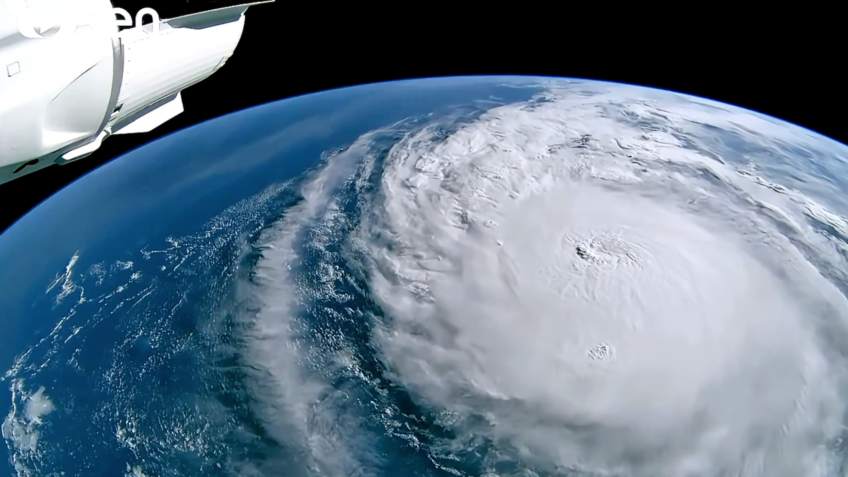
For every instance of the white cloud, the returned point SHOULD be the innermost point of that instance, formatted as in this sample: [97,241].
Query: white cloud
[720,363]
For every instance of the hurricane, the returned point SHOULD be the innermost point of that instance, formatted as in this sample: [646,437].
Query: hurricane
[604,280]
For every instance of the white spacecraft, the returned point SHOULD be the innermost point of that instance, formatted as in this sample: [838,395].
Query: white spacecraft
[70,77]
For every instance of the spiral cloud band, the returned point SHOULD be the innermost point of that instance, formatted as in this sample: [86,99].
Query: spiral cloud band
[586,280]
[596,282]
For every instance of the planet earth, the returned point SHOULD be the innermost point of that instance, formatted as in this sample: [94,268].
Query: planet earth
[476,276]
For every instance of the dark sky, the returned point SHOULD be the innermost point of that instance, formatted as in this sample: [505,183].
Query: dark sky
[289,49]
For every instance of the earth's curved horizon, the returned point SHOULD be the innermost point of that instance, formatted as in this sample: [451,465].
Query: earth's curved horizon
[474,276]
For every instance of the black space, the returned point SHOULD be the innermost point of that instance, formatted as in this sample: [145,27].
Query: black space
[289,49]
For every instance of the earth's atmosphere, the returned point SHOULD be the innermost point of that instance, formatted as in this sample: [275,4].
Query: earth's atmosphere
[466,276]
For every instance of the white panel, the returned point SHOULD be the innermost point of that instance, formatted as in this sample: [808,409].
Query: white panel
[8,23]
[155,118]
[86,149]
[157,65]
[62,88]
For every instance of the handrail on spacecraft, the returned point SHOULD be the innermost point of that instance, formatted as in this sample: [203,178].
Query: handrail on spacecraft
[60,98]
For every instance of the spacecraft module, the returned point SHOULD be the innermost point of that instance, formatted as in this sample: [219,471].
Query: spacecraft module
[73,73]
